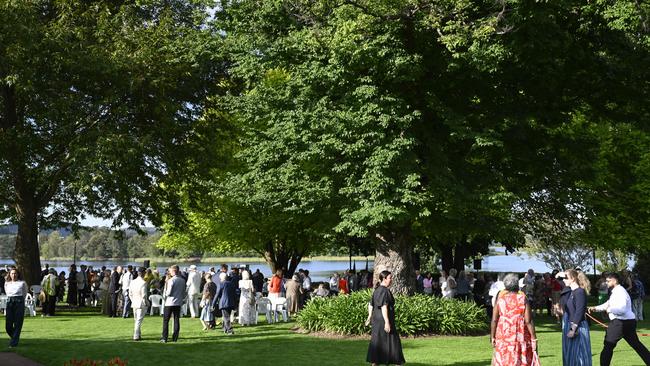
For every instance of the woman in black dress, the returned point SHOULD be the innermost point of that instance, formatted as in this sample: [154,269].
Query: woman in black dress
[72,287]
[385,346]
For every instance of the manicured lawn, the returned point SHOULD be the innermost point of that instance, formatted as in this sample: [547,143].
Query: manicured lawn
[52,341]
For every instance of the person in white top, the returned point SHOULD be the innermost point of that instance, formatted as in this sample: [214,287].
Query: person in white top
[246,299]
[138,295]
[125,281]
[16,291]
[496,287]
[448,287]
[194,291]
[334,284]
[622,322]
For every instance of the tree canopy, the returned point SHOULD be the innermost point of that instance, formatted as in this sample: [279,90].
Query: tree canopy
[98,108]
[447,125]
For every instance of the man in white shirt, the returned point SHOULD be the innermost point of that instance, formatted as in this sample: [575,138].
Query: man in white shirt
[193,291]
[496,287]
[138,296]
[622,322]
[125,281]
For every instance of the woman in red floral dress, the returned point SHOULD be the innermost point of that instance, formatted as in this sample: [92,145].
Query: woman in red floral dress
[512,330]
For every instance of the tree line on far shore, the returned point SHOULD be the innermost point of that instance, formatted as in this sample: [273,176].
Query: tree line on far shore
[104,243]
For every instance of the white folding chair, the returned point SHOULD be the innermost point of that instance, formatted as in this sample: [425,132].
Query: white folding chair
[3,303]
[30,305]
[263,306]
[156,302]
[35,290]
[280,306]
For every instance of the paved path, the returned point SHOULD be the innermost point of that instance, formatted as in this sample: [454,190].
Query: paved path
[12,359]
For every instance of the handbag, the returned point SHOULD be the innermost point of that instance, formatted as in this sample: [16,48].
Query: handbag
[41,297]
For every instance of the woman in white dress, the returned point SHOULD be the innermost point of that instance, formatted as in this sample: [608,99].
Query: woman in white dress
[246,300]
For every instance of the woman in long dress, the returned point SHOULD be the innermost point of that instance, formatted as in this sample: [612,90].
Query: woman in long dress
[71,298]
[246,300]
[512,332]
[209,291]
[576,343]
[105,295]
[385,346]
[294,290]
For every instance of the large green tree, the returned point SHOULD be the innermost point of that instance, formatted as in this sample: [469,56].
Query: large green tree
[98,102]
[449,122]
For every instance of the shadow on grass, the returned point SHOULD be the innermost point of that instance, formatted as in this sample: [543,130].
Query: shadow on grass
[465,363]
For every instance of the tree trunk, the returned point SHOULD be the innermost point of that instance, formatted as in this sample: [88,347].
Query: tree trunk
[279,257]
[296,257]
[460,253]
[27,255]
[395,254]
[447,257]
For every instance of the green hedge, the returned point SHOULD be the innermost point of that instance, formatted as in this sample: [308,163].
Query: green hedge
[414,315]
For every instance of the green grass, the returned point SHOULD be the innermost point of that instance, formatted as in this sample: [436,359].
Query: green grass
[52,341]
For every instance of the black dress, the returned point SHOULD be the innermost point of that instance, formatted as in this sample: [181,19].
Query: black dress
[72,289]
[385,348]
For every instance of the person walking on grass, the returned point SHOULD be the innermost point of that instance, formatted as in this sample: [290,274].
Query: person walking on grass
[225,299]
[174,295]
[16,291]
[385,346]
[138,292]
[622,322]
[512,332]
[193,291]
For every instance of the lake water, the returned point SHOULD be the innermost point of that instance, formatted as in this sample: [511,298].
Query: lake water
[321,270]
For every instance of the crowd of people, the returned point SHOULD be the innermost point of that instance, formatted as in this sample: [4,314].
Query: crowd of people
[511,303]
[512,326]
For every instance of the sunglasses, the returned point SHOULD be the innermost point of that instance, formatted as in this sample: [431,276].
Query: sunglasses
[561,278]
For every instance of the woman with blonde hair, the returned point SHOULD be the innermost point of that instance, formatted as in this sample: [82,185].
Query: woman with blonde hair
[576,342]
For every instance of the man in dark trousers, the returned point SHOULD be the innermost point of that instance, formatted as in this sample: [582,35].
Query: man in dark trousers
[174,296]
[622,322]
[225,299]
[114,290]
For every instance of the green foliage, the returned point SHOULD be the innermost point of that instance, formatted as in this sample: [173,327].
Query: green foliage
[100,103]
[414,315]
[613,261]
[7,244]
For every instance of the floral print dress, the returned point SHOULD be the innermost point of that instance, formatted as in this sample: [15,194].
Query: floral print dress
[512,339]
